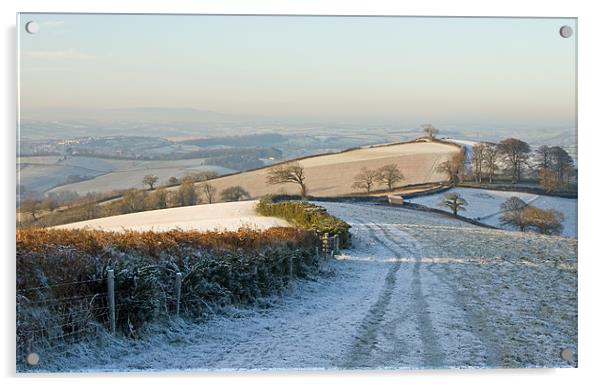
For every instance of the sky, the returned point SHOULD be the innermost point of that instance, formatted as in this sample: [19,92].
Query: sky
[445,70]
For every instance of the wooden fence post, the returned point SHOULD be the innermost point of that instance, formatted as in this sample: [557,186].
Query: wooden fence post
[178,292]
[336,244]
[325,245]
[111,298]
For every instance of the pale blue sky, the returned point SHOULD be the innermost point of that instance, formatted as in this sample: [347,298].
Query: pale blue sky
[426,69]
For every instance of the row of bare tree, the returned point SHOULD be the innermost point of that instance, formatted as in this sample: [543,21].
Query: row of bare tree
[553,164]
[388,175]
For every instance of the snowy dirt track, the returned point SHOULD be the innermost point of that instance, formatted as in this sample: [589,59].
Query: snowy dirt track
[417,290]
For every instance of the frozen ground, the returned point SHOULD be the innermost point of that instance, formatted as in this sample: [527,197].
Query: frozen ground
[417,290]
[222,216]
[484,205]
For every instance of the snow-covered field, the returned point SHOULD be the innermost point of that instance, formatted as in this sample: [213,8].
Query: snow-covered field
[332,174]
[484,205]
[222,216]
[417,290]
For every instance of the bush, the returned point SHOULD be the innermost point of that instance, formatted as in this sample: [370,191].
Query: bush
[61,275]
[306,216]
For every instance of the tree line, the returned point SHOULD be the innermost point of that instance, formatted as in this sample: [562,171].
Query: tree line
[64,207]
[553,165]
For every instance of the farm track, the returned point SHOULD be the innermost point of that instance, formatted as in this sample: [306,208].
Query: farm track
[413,292]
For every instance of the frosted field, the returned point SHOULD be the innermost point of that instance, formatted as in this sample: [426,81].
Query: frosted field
[133,178]
[484,205]
[43,174]
[417,290]
[332,175]
[222,216]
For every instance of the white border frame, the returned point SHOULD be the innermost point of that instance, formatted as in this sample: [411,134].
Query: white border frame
[589,86]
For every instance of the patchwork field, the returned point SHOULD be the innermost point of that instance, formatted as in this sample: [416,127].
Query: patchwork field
[222,216]
[332,174]
[53,174]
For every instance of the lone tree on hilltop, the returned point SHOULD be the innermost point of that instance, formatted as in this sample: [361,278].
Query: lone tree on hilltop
[454,201]
[150,180]
[209,191]
[390,175]
[453,167]
[234,193]
[366,179]
[515,155]
[429,130]
[291,172]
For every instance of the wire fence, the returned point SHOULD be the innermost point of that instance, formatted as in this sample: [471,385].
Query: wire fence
[53,317]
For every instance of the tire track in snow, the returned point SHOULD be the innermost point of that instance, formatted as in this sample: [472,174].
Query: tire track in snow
[373,323]
[433,354]
[492,352]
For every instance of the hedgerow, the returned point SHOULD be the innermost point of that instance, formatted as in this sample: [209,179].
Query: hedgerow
[306,216]
[61,275]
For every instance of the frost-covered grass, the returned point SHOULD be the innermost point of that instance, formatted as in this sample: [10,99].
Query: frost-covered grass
[417,290]
[484,205]
[221,216]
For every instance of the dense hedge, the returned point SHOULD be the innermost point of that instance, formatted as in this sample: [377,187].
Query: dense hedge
[306,216]
[219,268]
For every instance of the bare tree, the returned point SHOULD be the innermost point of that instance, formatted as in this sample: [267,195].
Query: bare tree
[562,163]
[133,200]
[366,179]
[429,130]
[90,207]
[547,222]
[548,180]
[490,158]
[543,157]
[478,160]
[32,207]
[50,204]
[453,168]
[186,193]
[209,191]
[234,193]
[390,175]
[150,180]
[516,154]
[291,172]
[454,201]
[157,199]
[513,213]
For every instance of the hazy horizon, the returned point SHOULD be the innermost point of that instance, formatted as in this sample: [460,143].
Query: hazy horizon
[407,70]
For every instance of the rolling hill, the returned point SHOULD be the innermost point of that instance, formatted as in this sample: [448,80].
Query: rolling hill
[332,174]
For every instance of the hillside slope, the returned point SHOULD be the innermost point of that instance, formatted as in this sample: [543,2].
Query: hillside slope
[417,290]
[332,174]
[222,216]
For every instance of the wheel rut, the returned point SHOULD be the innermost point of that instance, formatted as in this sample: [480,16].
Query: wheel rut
[374,324]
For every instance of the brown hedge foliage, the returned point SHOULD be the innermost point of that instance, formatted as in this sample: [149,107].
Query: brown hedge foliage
[218,268]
